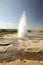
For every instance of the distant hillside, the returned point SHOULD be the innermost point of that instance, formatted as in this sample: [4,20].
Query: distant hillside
[8,30]
[15,31]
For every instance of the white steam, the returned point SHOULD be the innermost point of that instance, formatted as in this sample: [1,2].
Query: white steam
[22,30]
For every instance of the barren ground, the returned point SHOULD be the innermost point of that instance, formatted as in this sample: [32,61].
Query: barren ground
[21,51]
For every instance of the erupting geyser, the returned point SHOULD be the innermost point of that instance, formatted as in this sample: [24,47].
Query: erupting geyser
[22,30]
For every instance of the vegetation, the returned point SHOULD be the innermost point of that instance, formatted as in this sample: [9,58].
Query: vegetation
[29,30]
[14,31]
[8,30]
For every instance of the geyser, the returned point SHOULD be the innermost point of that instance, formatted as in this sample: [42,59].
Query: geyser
[22,29]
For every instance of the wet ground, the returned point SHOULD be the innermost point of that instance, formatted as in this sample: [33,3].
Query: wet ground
[21,51]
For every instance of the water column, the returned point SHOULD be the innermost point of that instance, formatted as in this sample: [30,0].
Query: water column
[22,29]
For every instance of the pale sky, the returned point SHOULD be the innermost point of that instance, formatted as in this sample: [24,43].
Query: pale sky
[11,11]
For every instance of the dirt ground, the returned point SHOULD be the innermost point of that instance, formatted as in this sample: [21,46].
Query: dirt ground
[21,51]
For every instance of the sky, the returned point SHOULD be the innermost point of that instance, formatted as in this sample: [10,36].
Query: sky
[11,11]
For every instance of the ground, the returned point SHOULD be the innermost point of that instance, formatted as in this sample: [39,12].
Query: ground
[21,51]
